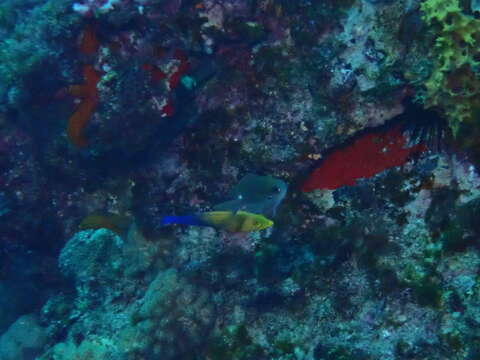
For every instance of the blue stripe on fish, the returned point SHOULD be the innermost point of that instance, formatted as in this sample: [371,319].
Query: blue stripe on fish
[183,220]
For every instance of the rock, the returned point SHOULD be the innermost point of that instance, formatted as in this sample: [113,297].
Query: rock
[23,340]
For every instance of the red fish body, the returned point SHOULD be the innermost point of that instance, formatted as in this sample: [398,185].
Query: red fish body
[364,158]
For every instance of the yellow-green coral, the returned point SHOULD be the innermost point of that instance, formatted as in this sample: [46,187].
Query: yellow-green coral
[454,85]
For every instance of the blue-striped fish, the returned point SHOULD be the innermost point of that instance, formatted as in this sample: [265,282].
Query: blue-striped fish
[240,221]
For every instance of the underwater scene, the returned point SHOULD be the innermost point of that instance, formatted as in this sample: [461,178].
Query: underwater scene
[240,180]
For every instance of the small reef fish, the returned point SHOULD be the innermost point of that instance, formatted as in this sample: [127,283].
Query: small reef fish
[256,194]
[119,224]
[240,221]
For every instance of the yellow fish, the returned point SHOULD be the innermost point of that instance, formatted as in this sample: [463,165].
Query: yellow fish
[240,221]
[119,224]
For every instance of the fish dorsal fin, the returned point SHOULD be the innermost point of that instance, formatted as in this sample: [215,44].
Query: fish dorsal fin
[246,181]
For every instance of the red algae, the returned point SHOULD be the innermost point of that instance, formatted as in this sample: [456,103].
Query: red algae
[88,41]
[78,121]
[168,109]
[88,94]
[155,72]
[183,67]
[364,158]
[172,79]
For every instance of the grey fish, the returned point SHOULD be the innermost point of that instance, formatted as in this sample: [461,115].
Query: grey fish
[256,194]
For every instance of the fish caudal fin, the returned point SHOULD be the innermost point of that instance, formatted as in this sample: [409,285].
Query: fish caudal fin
[168,220]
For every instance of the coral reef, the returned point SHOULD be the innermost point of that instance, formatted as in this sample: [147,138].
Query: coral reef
[29,47]
[453,84]
[23,340]
[116,116]
[162,314]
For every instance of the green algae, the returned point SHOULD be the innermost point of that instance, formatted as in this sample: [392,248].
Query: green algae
[426,286]
[266,263]
[284,347]
[234,344]
[32,41]
[249,31]
[467,215]
[7,17]
[273,61]
[453,84]
[453,238]
[454,230]
[340,352]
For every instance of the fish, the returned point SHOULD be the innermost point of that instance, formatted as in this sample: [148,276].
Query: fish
[255,194]
[119,224]
[368,155]
[240,221]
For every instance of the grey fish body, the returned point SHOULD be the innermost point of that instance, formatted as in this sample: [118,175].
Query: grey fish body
[256,194]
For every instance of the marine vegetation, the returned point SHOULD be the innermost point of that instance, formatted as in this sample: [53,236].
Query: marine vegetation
[453,86]
[88,95]
[92,53]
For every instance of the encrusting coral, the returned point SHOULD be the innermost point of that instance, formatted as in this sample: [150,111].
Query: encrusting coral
[454,85]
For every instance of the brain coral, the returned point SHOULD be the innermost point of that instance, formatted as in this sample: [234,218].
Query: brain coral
[454,85]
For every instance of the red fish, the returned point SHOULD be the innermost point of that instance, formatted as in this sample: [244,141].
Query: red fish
[365,157]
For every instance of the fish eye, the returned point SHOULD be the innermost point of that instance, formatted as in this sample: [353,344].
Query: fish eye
[277,189]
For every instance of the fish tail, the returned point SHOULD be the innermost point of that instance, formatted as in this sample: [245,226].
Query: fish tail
[167,220]
[182,220]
